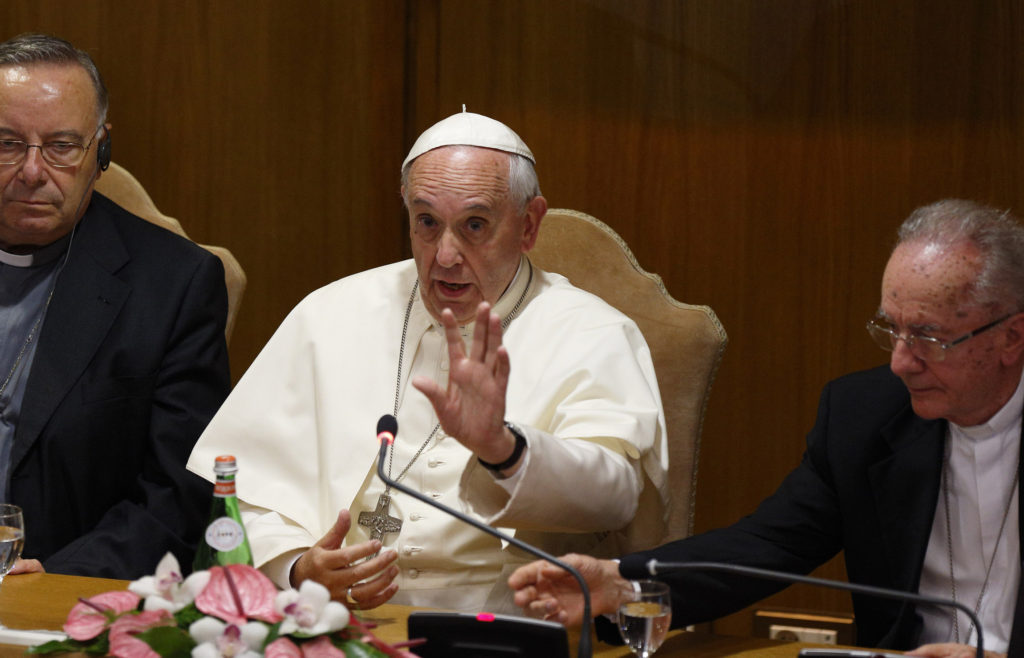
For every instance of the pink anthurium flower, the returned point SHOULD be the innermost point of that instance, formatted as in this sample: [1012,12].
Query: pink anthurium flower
[321,647]
[123,642]
[238,592]
[92,616]
[282,647]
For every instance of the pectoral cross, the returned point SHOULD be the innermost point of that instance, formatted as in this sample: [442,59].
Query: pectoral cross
[379,520]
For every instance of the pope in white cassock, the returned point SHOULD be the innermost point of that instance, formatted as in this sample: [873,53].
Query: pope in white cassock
[520,399]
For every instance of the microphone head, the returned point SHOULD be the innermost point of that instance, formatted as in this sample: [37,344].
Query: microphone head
[634,567]
[387,424]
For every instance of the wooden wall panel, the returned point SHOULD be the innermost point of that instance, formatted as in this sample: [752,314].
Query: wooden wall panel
[757,155]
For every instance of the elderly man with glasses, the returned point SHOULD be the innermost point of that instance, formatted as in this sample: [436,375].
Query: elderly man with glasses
[911,470]
[112,350]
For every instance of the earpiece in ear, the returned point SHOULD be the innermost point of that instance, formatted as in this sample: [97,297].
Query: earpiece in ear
[103,151]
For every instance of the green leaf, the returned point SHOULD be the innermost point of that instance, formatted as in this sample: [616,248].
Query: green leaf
[54,646]
[358,649]
[273,633]
[168,641]
[98,645]
[188,615]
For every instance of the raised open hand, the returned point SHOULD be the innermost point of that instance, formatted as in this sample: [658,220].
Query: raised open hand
[472,407]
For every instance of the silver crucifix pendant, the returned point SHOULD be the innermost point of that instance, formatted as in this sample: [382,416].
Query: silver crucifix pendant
[379,520]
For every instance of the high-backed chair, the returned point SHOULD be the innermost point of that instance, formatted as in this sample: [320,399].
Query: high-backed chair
[686,341]
[125,190]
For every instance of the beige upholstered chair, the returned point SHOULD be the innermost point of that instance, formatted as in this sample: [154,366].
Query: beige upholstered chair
[125,190]
[686,341]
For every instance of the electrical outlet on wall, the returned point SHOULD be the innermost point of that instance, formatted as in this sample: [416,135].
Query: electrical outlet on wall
[812,627]
[802,634]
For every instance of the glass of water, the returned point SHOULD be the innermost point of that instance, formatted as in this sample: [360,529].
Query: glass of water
[12,537]
[644,620]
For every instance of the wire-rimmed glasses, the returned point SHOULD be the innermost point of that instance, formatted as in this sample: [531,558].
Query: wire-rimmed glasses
[58,153]
[923,347]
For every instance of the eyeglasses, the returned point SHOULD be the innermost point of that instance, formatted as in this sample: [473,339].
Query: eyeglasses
[925,348]
[58,154]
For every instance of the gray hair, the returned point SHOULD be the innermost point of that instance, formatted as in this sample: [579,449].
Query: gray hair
[45,49]
[997,235]
[523,185]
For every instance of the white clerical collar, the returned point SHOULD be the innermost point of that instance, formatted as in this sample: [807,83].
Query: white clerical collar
[41,256]
[1001,422]
[509,299]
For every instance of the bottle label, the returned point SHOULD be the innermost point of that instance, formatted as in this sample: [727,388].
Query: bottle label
[224,534]
[223,489]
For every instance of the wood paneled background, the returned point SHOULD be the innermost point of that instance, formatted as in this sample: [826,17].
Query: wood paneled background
[758,155]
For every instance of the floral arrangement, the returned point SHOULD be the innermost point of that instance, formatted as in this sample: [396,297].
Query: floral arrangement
[224,612]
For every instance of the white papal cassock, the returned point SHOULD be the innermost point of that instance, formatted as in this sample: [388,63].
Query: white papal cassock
[582,390]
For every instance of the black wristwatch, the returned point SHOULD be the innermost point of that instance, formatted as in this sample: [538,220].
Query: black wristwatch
[516,453]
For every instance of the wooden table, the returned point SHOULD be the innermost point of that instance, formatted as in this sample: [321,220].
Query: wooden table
[42,601]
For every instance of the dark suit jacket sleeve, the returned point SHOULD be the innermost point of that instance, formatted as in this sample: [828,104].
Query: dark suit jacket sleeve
[796,529]
[169,504]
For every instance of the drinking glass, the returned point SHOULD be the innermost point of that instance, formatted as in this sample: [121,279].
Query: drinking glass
[644,620]
[12,537]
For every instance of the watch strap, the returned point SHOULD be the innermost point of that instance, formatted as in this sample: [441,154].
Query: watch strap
[516,453]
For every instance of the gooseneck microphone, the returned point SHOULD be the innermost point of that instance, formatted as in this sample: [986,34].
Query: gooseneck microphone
[634,567]
[387,429]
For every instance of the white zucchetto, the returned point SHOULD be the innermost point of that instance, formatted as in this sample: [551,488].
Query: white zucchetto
[469,129]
